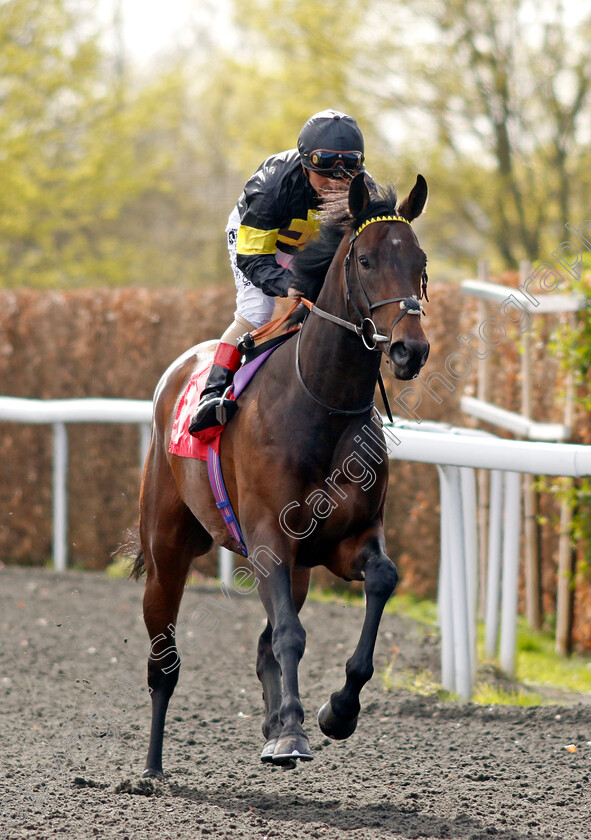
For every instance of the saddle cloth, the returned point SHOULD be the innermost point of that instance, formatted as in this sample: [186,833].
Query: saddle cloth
[184,444]
[181,442]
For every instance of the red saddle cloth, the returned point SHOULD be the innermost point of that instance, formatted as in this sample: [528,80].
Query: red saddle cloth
[181,442]
[184,444]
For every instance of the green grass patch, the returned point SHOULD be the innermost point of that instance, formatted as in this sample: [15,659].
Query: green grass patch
[537,664]
[420,682]
[423,611]
[423,683]
[487,694]
[330,596]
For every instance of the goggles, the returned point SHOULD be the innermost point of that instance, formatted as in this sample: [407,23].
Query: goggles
[335,164]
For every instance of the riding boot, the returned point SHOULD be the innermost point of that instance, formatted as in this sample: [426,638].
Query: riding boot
[214,409]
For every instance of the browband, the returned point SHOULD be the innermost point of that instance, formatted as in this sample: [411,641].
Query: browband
[380,219]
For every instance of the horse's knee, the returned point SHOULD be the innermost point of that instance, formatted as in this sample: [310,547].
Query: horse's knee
[289,637]
[381,576]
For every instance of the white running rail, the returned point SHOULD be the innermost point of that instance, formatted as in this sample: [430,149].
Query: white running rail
[456,452]
[58,413]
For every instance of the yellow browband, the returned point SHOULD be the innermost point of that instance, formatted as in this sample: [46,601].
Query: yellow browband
[381,219]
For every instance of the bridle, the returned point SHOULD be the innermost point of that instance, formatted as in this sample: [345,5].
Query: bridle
[408,306]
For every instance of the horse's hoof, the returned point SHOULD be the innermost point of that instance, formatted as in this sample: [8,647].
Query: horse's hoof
[287,764]
[150,773]
[268,750]
[289,749]
[335,727]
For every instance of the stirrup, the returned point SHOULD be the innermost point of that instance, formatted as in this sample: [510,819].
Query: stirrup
[225,410]
[216,411]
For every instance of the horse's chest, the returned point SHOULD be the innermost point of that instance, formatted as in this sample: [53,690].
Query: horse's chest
[340,503]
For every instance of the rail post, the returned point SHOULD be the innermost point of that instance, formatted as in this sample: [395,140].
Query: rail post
[512,514]
[493,585]
[457,598]
[60,497]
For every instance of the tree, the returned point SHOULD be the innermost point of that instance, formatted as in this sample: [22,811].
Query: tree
[42,86]
[504,87]
[295,58]
[90,162]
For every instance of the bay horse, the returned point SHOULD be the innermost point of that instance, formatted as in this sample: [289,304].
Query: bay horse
[304,467]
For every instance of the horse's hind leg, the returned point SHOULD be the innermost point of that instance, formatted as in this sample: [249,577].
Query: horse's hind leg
[269,672]
[171,537]
[161,604]
[338,717]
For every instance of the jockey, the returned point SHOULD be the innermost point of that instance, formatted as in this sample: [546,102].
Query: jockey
[275,216]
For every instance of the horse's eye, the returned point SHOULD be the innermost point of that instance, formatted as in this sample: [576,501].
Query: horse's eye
[363,262]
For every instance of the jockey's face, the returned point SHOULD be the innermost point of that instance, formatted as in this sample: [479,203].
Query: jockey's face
[322,184]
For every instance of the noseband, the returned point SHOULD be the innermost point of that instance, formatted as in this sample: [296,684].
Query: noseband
[408,306]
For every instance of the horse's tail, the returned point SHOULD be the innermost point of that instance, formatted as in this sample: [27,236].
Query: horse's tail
[130,552]
[139,567]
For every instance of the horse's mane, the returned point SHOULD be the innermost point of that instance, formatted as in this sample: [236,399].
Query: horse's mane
[311,264]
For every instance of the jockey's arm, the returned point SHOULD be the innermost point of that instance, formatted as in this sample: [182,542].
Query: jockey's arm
[265,273]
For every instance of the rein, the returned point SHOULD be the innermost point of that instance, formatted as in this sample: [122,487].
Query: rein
[329,408]
[408,305]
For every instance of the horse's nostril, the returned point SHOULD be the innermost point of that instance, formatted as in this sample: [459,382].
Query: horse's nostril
[409,354]
[399,353]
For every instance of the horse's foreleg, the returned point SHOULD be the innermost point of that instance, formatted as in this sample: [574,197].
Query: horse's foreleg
[288,642]
[269,672]
[338,717]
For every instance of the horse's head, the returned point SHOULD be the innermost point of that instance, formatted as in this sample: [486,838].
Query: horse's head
[385,275]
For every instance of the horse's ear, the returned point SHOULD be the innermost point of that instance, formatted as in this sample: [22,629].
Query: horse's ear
[358,195]
[413,205]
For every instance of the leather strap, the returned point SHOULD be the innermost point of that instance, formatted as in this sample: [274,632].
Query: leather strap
[272,326]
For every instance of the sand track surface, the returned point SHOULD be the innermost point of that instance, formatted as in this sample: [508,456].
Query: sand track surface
[74,722]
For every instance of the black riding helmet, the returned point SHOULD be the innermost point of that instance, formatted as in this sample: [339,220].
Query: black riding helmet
[331,143]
